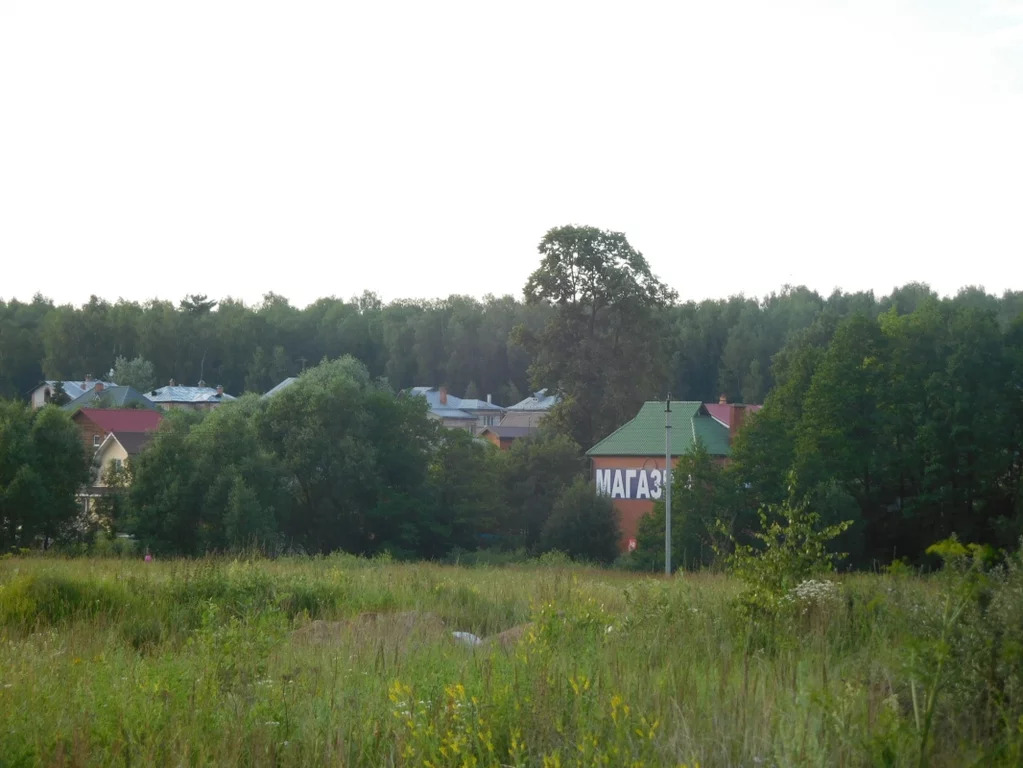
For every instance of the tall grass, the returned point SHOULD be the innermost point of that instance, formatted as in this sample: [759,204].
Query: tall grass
[115,662]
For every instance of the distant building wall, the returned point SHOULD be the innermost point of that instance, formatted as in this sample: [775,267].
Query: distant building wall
[92,434]
[620,478]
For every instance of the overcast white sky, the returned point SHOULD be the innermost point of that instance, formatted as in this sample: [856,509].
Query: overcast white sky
[422,149]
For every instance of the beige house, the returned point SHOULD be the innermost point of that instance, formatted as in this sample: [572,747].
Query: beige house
[116,450]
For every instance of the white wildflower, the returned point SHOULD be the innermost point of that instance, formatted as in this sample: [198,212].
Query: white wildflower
[813,593]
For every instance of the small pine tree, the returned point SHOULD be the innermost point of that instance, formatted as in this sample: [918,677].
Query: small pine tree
[58,396]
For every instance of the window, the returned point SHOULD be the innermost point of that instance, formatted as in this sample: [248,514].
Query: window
[95,441]
[118,465]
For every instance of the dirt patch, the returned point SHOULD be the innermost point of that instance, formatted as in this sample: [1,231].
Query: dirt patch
[510,637]
[398,628]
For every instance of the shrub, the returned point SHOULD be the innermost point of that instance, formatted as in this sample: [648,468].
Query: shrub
[583,524]
[792,549]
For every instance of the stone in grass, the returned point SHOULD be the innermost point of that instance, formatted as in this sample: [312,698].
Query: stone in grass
[467,639]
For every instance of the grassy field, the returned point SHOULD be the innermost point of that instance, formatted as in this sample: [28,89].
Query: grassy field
[340,661]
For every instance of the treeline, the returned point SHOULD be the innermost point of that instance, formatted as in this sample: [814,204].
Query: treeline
[337,461]
[709,348]
[903,414]
[908,423]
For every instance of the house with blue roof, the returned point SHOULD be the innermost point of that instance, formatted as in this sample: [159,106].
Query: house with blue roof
[521,420]
[470,414]
[199,398]
[44,390]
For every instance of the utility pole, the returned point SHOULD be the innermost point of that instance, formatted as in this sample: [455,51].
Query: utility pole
[666,484]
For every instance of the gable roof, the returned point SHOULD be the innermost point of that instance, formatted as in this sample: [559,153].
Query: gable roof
[432,395]
[180,394]
[644,434]
[115,396]
[723,411]
[73,389]
[132,442]
[532,419]
[451,413]
[122,419]
[538,401]
[283,385]
[475,404]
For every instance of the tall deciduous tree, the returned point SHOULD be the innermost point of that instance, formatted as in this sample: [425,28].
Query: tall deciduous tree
[356,457]
[41,468]
[601,348]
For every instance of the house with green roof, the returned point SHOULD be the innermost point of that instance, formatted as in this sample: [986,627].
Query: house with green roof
[628,465]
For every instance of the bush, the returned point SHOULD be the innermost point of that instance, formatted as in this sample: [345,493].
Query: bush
[791,549]
[583,524]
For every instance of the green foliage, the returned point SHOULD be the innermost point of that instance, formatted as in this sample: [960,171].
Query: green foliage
[600,348]
[704,500]
[881,418]
[221,660]
[465,502]
[582,524]
[58,396]
[137,373]
[791,547]
[41,469]
[533,474]
[902,413]
[356,457]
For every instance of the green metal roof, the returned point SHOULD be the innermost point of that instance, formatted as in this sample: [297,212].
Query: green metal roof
[644,435]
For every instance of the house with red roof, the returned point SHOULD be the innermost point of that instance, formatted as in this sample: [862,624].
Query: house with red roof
[731,415]
[95,424]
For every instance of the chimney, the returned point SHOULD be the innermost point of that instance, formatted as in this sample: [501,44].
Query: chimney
[490,400]
[201,383]
[88,378]
[99,386]
[220,390]
[172,383]
[723,400]
[443,395]
[737,416]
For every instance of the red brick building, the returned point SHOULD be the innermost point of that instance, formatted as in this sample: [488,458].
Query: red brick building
[628,465]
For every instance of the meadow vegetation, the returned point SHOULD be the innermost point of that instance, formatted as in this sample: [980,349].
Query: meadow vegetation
[210,662]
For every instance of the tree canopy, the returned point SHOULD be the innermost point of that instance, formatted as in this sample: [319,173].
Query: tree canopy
[600,348]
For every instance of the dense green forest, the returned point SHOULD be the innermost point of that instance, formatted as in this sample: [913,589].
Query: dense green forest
[902,414]
[908,423]
[711,347]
